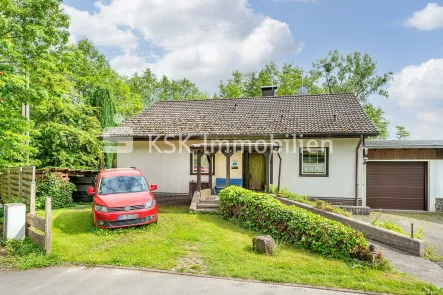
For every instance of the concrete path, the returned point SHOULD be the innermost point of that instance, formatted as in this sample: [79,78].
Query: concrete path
[108,281]
[420,268]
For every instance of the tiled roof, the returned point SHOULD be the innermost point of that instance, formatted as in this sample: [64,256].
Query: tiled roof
[324,114]
[404,144]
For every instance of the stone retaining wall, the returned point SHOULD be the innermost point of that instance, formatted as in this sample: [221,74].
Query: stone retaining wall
[439,204]
[413,246]
[172,199]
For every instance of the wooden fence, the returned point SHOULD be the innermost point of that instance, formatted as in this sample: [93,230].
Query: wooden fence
[38,229]
[18,184]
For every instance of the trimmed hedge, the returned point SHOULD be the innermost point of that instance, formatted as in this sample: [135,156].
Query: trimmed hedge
[261,212]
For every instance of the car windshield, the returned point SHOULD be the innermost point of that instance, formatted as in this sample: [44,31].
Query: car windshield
[122,184]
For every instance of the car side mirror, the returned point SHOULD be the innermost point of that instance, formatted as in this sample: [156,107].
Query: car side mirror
[154,187]
[91,191]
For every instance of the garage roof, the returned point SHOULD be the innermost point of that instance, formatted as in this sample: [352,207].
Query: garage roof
[404,144]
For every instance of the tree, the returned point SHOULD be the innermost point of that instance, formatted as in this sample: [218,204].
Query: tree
[104,106]
[89,70]
[32,33]
[150,89]
[67,135]
[402,133]
[355,73]
[291,78]
[376,115]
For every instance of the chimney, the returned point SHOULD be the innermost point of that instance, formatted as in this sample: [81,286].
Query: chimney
[268,90]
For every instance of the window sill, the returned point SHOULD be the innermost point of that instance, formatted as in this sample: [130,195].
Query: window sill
[314,175]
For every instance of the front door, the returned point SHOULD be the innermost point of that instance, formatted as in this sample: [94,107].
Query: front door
[256,172]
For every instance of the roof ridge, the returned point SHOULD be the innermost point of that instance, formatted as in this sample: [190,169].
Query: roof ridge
[254,97]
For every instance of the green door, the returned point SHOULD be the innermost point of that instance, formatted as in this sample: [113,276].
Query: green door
[256,172]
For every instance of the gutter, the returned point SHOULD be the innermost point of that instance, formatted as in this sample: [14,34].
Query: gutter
[356,168]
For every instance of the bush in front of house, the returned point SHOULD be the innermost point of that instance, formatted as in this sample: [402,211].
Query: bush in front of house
[262,212]
[57,187]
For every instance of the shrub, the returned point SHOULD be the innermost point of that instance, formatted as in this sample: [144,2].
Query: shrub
[57,187]
[291,224]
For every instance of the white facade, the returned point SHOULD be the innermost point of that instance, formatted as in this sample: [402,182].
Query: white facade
[171,170]
[435,182]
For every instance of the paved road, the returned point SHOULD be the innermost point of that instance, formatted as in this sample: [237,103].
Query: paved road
[108,281]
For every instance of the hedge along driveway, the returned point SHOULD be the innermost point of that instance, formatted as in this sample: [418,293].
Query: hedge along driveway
[298,226]
[222,247]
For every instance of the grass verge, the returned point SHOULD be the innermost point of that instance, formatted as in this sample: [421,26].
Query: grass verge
[204,243]
[24,254]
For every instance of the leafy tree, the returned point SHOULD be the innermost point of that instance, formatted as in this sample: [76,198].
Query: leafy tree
[145,85]
[402,133]
[376,115]
[150,89]
[32,33]
[291,78]
[355,73]
[67,135]
[105,112]
[288,79]
[89,70]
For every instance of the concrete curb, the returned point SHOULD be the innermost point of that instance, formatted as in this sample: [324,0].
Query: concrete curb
[401,242]
[233,279]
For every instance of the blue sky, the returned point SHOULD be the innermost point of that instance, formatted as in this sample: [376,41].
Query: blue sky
[205,40]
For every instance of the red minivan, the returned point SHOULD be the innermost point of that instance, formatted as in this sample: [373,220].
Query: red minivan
[122,198]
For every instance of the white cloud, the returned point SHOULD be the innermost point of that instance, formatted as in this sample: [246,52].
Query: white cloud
[419,85]
[429,18]
[85,24]
[199,39]
[430,124]
[417,91]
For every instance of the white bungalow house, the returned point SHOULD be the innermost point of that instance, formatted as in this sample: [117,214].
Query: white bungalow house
[317,145]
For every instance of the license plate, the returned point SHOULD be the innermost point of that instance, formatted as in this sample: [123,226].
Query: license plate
[128,216]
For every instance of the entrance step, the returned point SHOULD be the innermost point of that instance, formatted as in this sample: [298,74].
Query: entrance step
[209,201]
[203,205]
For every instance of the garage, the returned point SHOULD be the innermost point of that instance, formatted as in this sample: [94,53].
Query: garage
[396,185]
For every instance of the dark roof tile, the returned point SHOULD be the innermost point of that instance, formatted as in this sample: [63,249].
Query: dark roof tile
[307,114]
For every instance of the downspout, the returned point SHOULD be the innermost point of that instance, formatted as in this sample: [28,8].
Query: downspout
[279,171]
[356,168]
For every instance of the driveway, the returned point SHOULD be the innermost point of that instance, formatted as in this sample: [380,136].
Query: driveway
[430,223]
[108,281]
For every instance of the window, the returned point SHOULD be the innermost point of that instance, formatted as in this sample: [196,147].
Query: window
[314,162]
[122,184]
[205,164]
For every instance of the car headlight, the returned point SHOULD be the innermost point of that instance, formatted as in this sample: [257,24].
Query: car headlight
[99,208]
[150,204]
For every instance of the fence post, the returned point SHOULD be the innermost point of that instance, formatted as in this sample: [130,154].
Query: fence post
[32,198]
[9,183]
[48,227]
[20,181]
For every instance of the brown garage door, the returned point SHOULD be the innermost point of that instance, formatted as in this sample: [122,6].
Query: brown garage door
[396,185]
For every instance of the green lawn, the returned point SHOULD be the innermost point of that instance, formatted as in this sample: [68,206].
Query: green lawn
[208,244]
